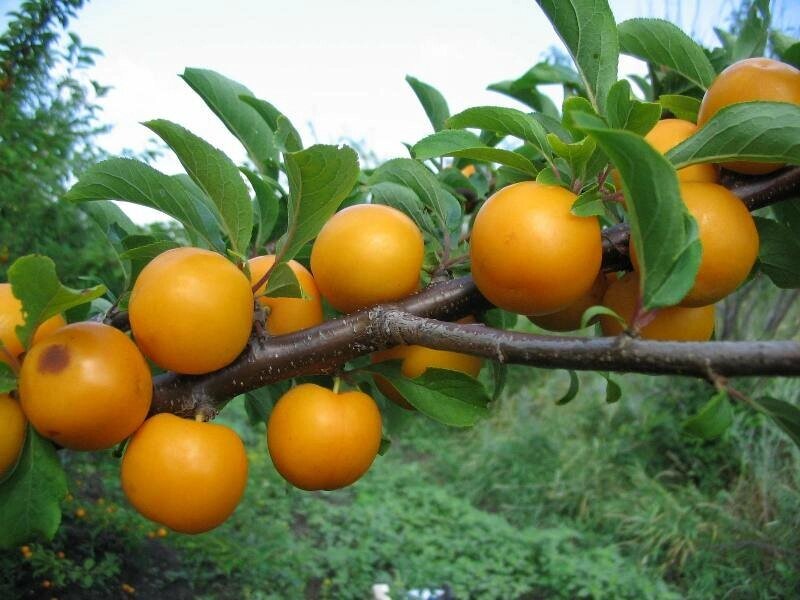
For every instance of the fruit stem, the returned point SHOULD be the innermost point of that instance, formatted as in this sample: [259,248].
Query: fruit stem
[337,382]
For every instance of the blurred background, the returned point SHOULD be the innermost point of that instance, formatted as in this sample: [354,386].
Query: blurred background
[539,501]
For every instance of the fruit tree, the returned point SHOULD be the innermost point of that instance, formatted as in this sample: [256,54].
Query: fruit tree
[313,290]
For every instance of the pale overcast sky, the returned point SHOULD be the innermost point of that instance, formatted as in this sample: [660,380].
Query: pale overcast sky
[337,65]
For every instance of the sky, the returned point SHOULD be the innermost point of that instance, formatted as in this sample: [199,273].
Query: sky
[340,66]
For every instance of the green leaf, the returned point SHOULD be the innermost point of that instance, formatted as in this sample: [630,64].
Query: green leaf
[499,377]
[449,397]
[384,447]
[787,48]
[267,206]
[660,42]
[141,249]
[282,283]
[589,204]
[756,131]
[524,87]
[785,415]
[505,121]
[574,388]
[320,178]
[613,391]
[778,253]
[626,112]
[432,192]
[588,30]
[403,199]
[216,175]
[752,34]
[788,213]
[133,181]
[590,315]
[576,154]
[258,404]
[222,97]
[432,101]
[8,379]
[34,281]
[30,499]
[712,420]
[464,144]
[663,233]
[287,137]
[683,107]
[110,219]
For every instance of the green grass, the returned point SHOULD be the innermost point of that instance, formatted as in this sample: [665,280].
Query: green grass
[587,500]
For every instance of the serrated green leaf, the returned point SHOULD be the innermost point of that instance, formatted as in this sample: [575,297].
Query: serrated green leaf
[752,35]
[663,233]
[785,415]
[110,218]
[613,391]
[216,175]
[34,281]
[499,378]
[133,181]
[662,43]
[432,101]
[403,199]
[588,30]
[8,379]
[574,388]
[712,420]
[30,499]
[626,112]
[283,283]
[258,404]
[222,97]
[386,443]
[787,48]
[450,397]
[756,131]
[286,137]
[464,144]
[788,213]
[683,107]
[524,87]
[504,121]
[141,249]
[590,315]
[267,206]
[576,154]
[320,178]
[432,192]
[778,253]
[589,204]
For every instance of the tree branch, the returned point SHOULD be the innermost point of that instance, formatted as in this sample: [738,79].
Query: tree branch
[422,319]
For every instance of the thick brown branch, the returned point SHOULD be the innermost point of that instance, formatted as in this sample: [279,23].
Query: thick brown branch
[420,319]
